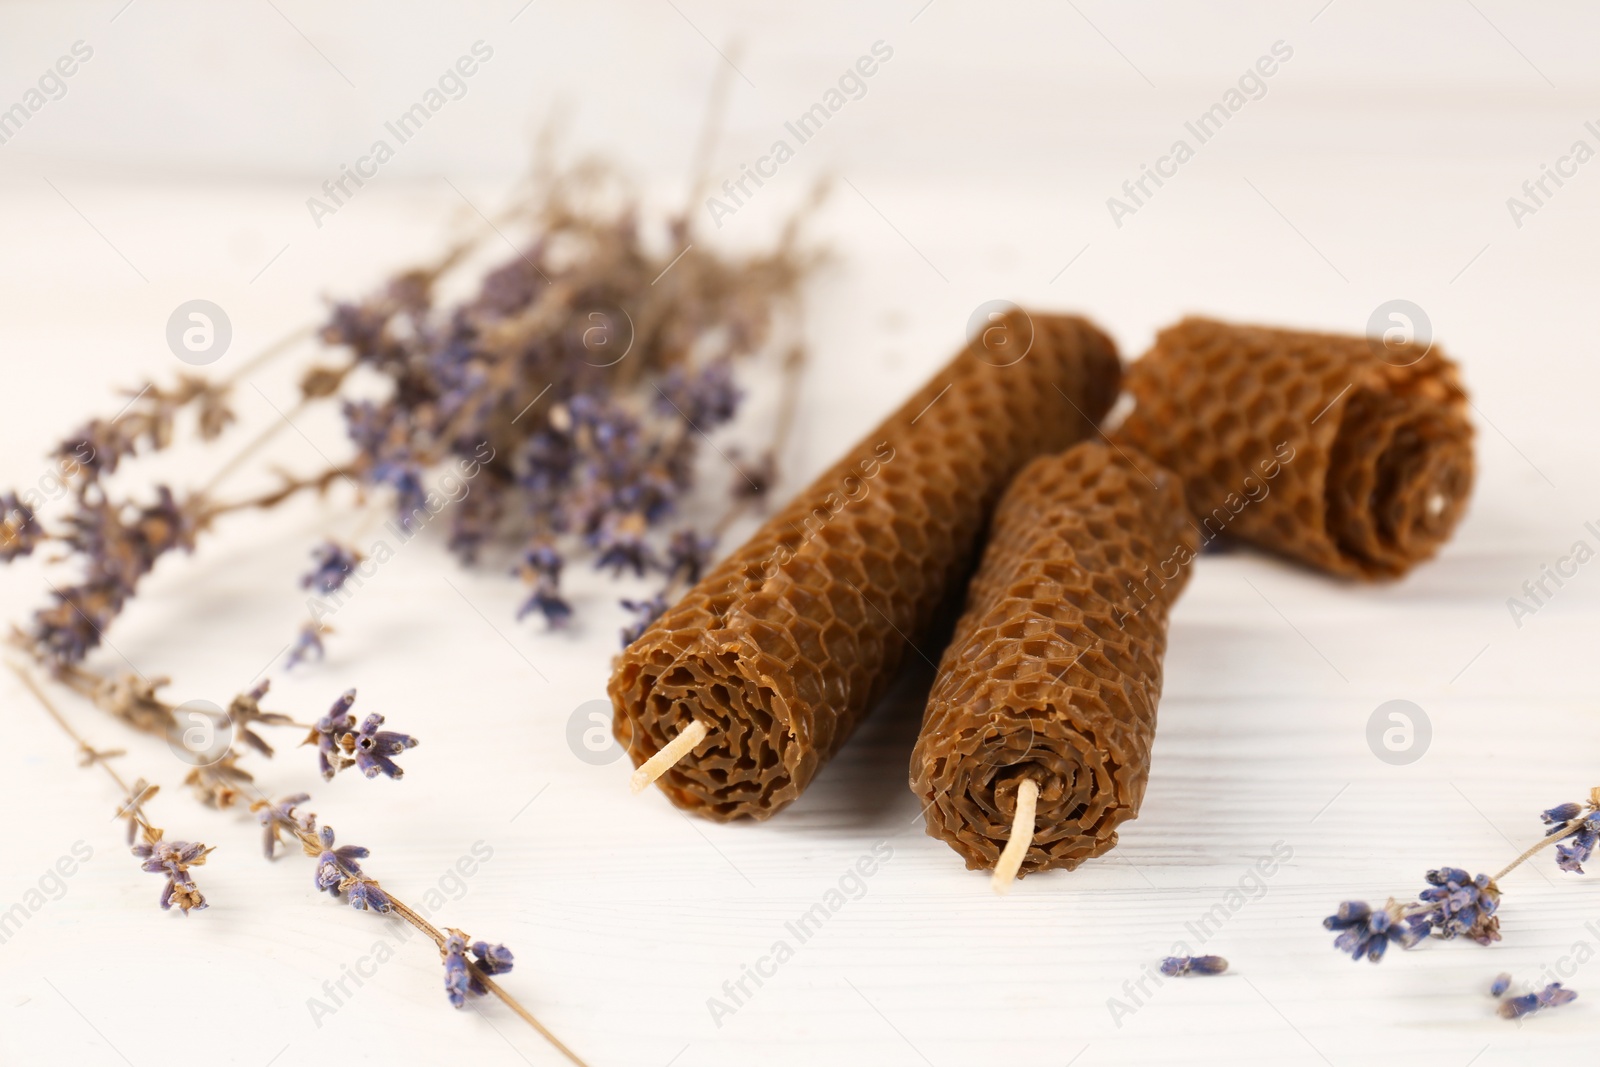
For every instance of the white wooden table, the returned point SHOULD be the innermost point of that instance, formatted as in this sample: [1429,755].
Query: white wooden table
[978,173]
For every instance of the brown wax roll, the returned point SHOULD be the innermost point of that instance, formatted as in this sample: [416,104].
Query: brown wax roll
[1055,667]
[1344,453]
[783,646]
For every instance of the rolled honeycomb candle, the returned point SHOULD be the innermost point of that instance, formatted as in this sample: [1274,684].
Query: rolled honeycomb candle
[1344,453]
[781,648]
[1046,697]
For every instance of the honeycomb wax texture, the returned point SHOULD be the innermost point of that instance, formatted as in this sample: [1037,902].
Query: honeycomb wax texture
[1340,452]
[783,646]
[1054,671]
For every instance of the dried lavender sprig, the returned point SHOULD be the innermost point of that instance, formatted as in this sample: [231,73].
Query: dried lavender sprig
[175,858]
[342,741]
[160,856]
[119,540]
[1578,827]
[339,873]
[1457,903]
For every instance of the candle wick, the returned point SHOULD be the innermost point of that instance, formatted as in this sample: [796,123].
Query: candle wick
[670,754]
[1005,871]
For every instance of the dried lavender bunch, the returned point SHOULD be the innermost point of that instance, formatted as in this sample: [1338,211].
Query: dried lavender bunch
[574,387]
[1458,904]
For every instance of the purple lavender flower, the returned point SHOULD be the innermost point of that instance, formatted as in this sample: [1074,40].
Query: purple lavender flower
[72,624]
[476,517]
[705,399]
[163,526]
[20,533]
[545,601]
[336,866]
[545,465]
[98,447]
[511,287]
[1573,853]
[459,979]
[621,545]
[374,747]
[117,554]
[365,895]
[370,426]
[1367,933]
[1463,906]
[404,475]
[335,564]
[369,749]
[647,612]
[173,859]
[329,733]
[1551,996]
[1178,966]
[359,327]
[541,567]
[1501,983]
[542,560]
[1557,817]
[280,818]
[608,424]
[492,959]
[687,555]
[307,643]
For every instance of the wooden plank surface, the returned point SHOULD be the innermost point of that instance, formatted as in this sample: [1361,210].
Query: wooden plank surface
[628,918]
